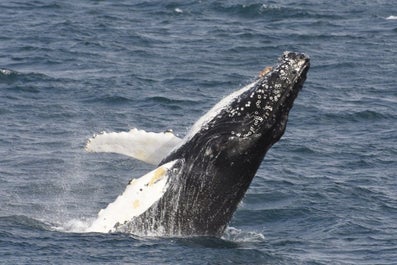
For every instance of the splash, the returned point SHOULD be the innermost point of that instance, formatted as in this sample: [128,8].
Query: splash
[237,235]
[6,72]
[73,226]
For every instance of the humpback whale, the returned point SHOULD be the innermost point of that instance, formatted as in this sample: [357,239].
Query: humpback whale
[200,179]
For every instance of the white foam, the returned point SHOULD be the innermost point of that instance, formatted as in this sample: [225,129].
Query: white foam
[238,235]
[73,226]
[6,71]
[391,17]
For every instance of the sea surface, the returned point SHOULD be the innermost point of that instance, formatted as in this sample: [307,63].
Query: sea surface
[326,193]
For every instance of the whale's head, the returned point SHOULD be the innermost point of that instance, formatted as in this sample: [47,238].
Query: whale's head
[263,108]
[245,124]
[259,110]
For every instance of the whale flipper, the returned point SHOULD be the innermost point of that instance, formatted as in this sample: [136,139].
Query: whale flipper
[139,195]
[149,147]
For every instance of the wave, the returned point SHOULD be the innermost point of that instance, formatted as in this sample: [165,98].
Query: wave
[29,5]
[247,10]
[23,222]
[9,75]
[244,9]
[7,72]
[170,101]
[274,11]
[110,99]
[391,18]
[145,102]
[358,116]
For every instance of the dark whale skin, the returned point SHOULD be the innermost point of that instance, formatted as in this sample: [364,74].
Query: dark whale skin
[217,161]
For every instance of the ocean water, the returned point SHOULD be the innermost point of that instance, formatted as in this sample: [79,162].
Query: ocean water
[326,193]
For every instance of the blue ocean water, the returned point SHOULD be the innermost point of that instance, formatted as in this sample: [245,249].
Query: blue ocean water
[325,194]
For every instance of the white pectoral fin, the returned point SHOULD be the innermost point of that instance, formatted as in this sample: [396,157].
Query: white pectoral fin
[149,147]
[138,196]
